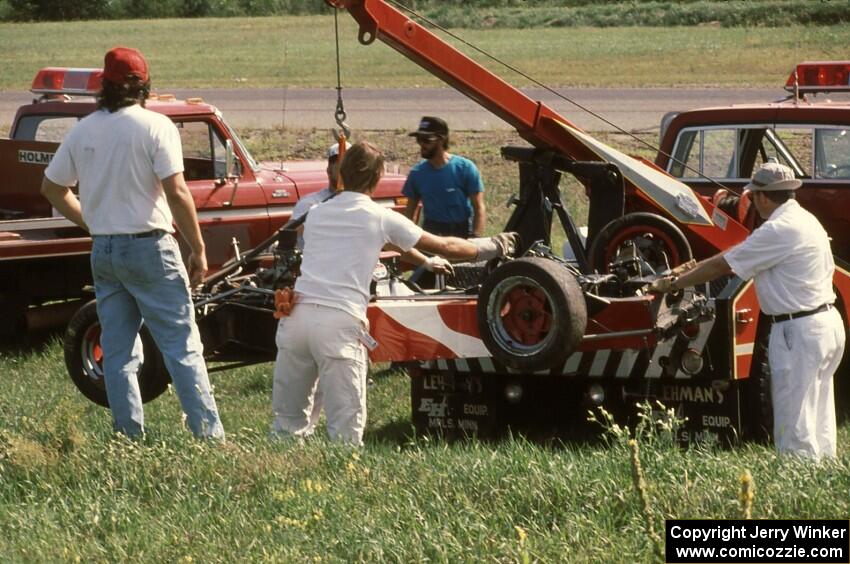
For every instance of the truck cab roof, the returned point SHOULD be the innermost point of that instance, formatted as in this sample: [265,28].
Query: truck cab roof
[66,95]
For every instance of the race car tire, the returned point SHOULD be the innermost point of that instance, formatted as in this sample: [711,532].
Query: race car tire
[660,241]
[759,402]
[841,379]
[84,359]
[531,314]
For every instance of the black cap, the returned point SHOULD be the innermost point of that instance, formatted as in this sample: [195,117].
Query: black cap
[430,125]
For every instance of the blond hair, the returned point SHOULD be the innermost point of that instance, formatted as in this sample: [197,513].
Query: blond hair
[362,167]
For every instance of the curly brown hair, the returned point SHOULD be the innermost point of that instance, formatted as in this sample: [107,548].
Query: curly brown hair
[114,96]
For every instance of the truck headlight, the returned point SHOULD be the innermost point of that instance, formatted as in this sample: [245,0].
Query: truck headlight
[513,393]
[596,394]
[692,362]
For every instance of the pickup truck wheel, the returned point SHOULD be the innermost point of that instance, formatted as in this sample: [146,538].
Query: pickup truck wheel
[84,359]
[531,314]
[660,243]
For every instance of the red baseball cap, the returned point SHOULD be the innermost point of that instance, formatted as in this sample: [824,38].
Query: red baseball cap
[120,63]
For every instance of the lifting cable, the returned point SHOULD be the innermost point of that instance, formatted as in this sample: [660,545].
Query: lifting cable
[339,115]
[536,82]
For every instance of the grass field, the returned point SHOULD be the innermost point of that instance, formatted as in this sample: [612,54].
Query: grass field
[299,52]
[71,491]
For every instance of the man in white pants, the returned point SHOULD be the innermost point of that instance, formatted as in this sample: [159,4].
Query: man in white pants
[303,206]
[327,332]
[791,263]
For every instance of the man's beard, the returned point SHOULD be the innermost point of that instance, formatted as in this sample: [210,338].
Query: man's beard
[428,152]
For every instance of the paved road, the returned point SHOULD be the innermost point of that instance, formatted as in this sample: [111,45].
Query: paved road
[633,109]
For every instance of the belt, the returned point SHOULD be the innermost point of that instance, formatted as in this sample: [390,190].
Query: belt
[151,233]
[142,235]
[790,316]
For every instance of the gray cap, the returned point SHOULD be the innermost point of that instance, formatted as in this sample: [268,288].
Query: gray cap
[773,177]
[333,150]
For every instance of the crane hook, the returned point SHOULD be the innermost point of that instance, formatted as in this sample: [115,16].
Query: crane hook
[340,114]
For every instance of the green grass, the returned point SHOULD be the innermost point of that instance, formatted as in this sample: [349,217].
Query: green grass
[69,489]
[299,52]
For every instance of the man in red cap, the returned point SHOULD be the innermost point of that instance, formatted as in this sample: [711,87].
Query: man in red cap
[129,165]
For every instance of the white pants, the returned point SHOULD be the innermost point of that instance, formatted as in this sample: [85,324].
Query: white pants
[804,354]
[317,340]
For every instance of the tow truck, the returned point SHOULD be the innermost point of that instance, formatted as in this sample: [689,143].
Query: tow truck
[44,259]
[537,339]
[502,357]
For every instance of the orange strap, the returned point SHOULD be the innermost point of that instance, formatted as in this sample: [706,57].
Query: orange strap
[341,143]
[284,301]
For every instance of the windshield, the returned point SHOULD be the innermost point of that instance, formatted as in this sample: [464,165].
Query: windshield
[238,142]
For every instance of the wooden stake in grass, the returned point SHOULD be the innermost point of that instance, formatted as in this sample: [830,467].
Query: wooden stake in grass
[643,496]
[746,494]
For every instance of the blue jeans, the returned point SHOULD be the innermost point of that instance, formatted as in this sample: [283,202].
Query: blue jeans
[143,278]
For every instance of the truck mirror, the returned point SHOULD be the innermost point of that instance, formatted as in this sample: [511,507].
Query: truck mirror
[229,159]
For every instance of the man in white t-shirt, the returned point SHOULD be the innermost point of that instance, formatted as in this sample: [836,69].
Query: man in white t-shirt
[129,165]
[327,332]
[790,261]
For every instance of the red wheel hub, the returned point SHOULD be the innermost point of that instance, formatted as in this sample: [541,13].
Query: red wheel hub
[648,232]
[525,315]
[93,337]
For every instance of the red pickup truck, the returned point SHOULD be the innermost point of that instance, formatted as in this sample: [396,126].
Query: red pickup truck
[809,131]
[44,259]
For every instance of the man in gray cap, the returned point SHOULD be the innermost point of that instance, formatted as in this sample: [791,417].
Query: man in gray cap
[790,261]
[308,202]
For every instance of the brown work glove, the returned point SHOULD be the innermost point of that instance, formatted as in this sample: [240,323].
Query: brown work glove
[684,267]
[501,245]
[663,285]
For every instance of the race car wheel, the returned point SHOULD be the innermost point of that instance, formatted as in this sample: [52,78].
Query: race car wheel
[759,402]
[660,243]
[531,314]
[841,379]
[84,359]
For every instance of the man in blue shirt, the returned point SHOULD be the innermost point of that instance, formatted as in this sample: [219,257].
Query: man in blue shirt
[449,186]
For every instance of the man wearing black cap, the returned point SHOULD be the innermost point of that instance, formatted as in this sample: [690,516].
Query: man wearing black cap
[789,259]
[129,165]
[449,186]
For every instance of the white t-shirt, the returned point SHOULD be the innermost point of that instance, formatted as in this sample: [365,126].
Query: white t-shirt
[119,159]
[307,203]
[789,258]
[343,238]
